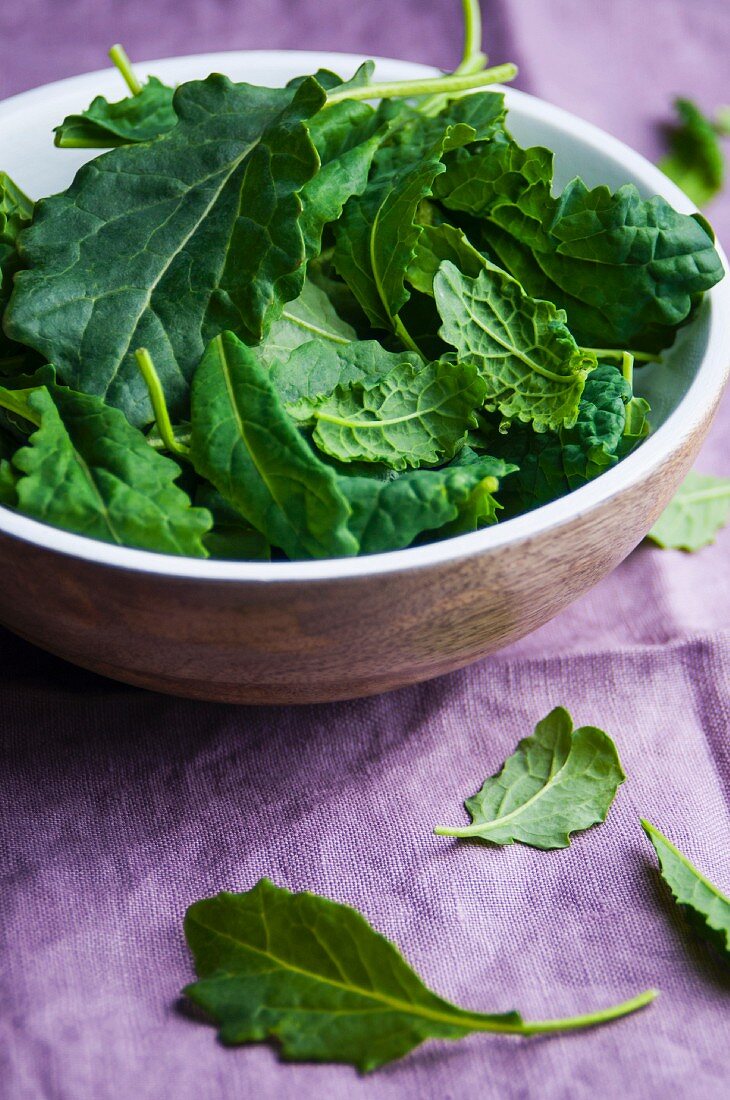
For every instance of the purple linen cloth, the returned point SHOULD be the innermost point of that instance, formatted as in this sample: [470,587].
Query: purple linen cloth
[120,807]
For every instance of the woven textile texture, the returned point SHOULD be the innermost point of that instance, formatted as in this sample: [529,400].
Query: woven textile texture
[118,807]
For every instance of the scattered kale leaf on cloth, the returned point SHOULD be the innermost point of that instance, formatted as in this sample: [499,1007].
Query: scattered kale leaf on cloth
[316,977]
[707,909]
[695,160]
[344,328]
[557,782]
[695,515]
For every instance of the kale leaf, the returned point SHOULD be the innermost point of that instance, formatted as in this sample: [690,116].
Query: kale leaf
[706,908]
[317,977]
[695,515]
[558,781]
[164,244]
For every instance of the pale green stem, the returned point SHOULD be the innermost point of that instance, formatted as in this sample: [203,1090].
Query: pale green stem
[405,337]
[118,55]
[618,354]
[159,404]
[472,36]
[432,85]
[627,368]
[603,1016]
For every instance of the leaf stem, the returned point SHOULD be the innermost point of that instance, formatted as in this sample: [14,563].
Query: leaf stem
[590,1019]
[627,368]
[472,54]
[118,56]
[405,337]
[618,354]
[431,85]
[159,404]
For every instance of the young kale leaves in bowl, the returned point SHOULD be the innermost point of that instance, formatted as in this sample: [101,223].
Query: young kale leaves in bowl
[355,328]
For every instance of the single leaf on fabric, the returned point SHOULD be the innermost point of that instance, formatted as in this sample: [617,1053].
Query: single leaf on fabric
[314,370]
[531,364]
[695,515]
[706,908]
[436,244]
[310,315]
[378,233]
[245,444]
[16,214]
[413,416]
[695,160]
[230,538]
[627,270]
[392,513]
[106,125]
[164,244]
[315,976]
[89,471]
[558,781]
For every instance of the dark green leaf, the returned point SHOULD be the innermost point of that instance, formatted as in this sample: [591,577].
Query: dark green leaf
[706,907]
[692,519]
[106,125]
[163,245]
[378,233]
[530,362]
[231,538]
[89,471]
[695,161]
[627,270]
[245,444]
[391,514]
[413,416]
[317,977]
[16,214]
[558,782]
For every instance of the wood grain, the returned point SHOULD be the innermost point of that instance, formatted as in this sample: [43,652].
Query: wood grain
[319,641]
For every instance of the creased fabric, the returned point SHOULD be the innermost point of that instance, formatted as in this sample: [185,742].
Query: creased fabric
[118,807]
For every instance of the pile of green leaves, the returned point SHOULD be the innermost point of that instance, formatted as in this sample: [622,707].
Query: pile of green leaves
[286,322]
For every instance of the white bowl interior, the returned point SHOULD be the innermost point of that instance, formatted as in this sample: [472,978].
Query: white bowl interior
[690,374]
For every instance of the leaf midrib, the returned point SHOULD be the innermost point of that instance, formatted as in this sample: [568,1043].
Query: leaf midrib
[476,1021]
[551,376]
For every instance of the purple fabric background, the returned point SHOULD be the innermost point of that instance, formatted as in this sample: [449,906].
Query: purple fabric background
[120,807]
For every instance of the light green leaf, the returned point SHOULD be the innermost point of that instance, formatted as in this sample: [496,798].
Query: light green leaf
[105,125]
[316,976]
[310,316]
[245,444]
[414,416]
[389,514]
[636,428]
[436,244]
[695,160]
[706,907]
[315,369]
[87,470]
[695,515]
[164,244]
[558,782]
[531,364]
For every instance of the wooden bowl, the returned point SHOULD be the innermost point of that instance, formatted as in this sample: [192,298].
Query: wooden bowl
[318,631]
